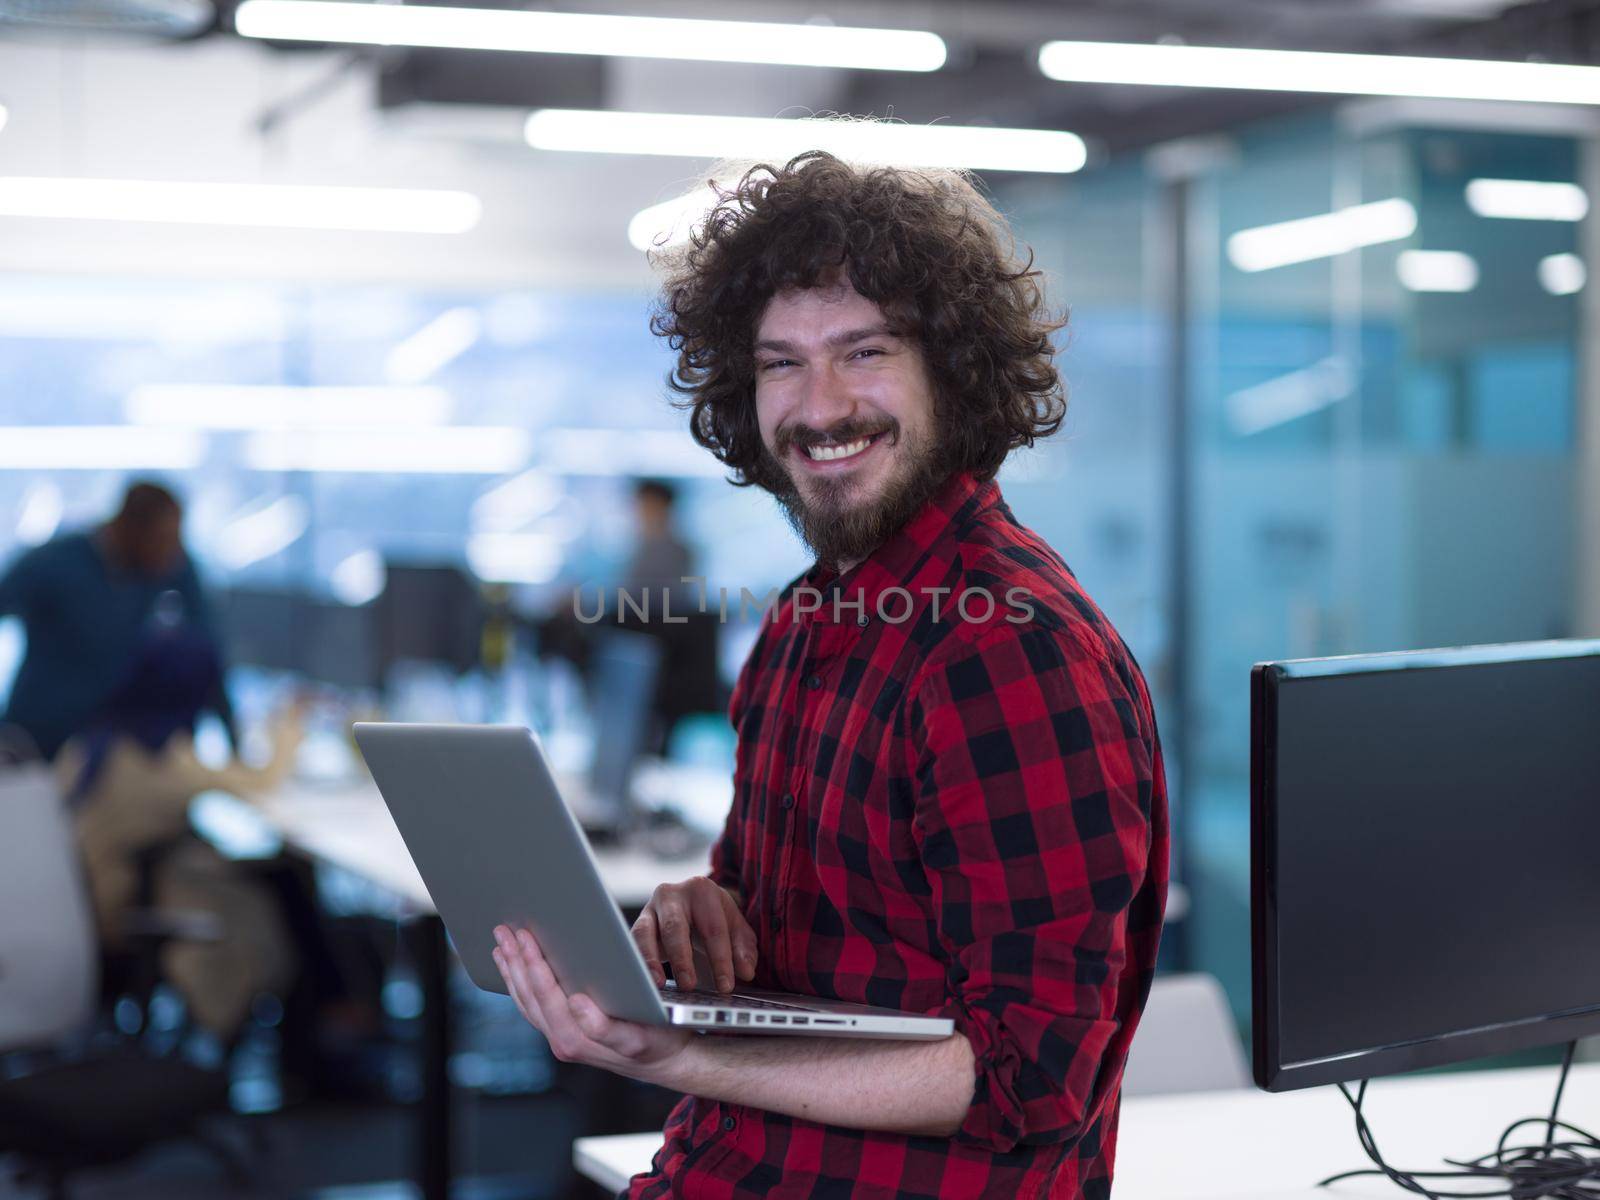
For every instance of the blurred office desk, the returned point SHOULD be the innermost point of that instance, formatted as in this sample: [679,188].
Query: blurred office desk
[346,826]
[1248,1145]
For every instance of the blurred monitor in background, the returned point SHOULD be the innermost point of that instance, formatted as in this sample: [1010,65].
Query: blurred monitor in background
[428,613]
[320,640]
[89,600]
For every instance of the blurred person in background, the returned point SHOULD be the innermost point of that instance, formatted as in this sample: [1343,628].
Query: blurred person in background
[129,774]
[661,558]
[88,600]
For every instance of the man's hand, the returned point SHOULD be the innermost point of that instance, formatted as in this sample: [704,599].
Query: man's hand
[697,912]
[578,1032]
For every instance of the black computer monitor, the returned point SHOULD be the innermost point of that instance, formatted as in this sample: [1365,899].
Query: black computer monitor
[1425,852]
[428,612]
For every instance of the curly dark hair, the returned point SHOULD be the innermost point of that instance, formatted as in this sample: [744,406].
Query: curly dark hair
[923,245]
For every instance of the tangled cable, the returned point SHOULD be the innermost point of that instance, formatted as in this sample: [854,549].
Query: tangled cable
[1553,1170]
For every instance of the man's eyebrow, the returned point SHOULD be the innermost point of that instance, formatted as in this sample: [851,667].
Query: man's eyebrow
[848,337]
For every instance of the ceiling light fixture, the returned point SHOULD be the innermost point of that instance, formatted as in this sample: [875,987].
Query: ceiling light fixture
[767,138]
[435,346]
[271,205]
[591,33]
[1562,274]
[1527,200]
[1437,270]
[99,448]
[456,450]
[1318,71]
[1322,236]
[250,407]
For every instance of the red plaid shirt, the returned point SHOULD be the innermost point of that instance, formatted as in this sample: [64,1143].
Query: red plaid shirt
[963,816]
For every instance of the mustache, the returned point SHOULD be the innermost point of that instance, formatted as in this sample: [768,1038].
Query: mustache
[804,436]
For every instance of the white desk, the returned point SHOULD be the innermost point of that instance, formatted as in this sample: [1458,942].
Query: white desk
[1248,1145]
[347,825]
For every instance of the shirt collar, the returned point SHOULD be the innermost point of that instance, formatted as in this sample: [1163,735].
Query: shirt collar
[900,559]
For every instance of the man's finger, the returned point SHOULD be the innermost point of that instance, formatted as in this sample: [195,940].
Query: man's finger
[644,936]
[515,989]
[673,926]
[711,923]
[560,1030]
[742,936]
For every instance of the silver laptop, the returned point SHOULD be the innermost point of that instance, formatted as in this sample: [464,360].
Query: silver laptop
[495,844]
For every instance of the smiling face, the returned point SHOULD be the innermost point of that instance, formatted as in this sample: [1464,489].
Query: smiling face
[847,417]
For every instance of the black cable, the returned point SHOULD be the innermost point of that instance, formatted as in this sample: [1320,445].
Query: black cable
[1564,1170]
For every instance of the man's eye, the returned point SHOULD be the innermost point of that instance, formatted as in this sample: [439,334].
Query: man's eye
[868,350]
[776,362]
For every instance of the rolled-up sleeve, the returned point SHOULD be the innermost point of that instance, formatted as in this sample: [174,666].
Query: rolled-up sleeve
[1033,778]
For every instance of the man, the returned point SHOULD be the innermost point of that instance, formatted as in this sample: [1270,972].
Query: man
[660,558]
[88,603]
[949,808]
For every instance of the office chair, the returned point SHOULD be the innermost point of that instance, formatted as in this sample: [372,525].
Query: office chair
[1187,1040]
[102,1105]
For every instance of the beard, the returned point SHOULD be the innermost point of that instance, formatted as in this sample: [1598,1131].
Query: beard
[833,517]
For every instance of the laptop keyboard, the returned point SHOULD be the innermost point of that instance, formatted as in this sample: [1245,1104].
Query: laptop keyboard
[727,1000]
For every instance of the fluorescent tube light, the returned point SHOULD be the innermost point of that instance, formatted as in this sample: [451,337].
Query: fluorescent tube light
[570,451]
[244,407]
[514,557]
[270,205]
[456,450]
[435,346]
[588,33]
[42,509]
[1317,71]
[1527,200]
[974,147]
[99,448]
[1322,236]
[671,221]
[508,506]
[1289,397]
[1562,274]
[262,532]
[1437,270]
[359,578]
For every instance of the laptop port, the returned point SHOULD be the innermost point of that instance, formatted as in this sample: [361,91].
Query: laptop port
[828,1021]
[800,1020]
[722,1017]
[700,1015]
[744,1018]
[775,1019]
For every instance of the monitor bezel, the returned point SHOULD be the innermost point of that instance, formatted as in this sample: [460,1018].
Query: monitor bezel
[1270,1072]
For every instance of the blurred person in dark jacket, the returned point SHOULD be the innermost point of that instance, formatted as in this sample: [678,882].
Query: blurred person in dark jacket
[88,600]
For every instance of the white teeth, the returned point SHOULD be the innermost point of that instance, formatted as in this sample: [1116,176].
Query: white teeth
[829,453]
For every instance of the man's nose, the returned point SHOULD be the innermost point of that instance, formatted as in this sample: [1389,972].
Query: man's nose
[825,399]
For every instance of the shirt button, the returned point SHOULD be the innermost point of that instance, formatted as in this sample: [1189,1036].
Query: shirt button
[814,682]
[863,620]
[788,799]
[729,1124]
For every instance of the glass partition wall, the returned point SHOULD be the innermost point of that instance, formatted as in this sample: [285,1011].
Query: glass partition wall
[1382,401]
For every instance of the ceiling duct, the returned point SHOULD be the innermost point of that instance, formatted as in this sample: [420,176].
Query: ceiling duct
[491,77]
